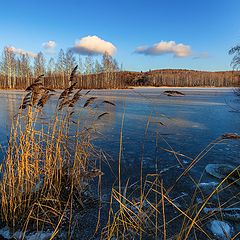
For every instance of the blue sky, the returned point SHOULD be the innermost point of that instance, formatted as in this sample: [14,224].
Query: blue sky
[187,34]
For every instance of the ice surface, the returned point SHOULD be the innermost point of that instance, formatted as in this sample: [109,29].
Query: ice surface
[222,171]
[232,214]
[221,230]
[41,235]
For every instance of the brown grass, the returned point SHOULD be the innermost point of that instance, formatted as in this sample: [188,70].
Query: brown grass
[48,164]
[150,211]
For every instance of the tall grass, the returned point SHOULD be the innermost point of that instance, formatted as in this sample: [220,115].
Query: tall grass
[156,210]
[49,161]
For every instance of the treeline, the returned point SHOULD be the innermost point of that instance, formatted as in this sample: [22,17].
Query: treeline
[18,71]
[186,78]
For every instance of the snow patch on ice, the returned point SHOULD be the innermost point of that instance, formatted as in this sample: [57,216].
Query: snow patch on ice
[221,230]
[5,232]
[205,185]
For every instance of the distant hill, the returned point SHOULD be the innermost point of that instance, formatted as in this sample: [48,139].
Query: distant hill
[183,78]
[125,79]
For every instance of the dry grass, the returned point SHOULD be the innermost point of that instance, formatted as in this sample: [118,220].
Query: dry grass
[153,211]
[48,164]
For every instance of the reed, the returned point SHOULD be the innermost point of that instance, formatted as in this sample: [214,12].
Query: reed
[155,210]
[49,161]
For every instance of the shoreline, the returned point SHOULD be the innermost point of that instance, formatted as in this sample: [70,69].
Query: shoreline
[198,87]
[129,88]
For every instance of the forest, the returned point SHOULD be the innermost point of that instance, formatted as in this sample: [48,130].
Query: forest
[17,71]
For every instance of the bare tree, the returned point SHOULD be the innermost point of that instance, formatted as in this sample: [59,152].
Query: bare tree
[25,69]
[97,67]
[80,65]
[51,67]
[8,66]
[39,64]
[60,67]
[70,63]
[235,51]
[88,65]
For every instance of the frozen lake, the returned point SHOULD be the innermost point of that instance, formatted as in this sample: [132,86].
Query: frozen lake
[154,122]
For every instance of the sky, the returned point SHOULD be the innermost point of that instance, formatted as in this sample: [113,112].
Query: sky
[140,34]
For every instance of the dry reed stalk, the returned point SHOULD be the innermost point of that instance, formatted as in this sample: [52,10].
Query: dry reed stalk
[137,213]
[47,167]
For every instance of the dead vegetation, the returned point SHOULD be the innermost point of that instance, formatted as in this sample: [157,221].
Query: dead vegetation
[48,164]
[173,93]
[153,209]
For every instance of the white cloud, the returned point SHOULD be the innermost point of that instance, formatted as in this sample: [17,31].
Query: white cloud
[49,46]
[21,51]
[93,45]
[163,47]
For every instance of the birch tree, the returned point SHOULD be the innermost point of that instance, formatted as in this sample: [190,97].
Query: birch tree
[70,62]
[8,66]
[39,64]
[51,67]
